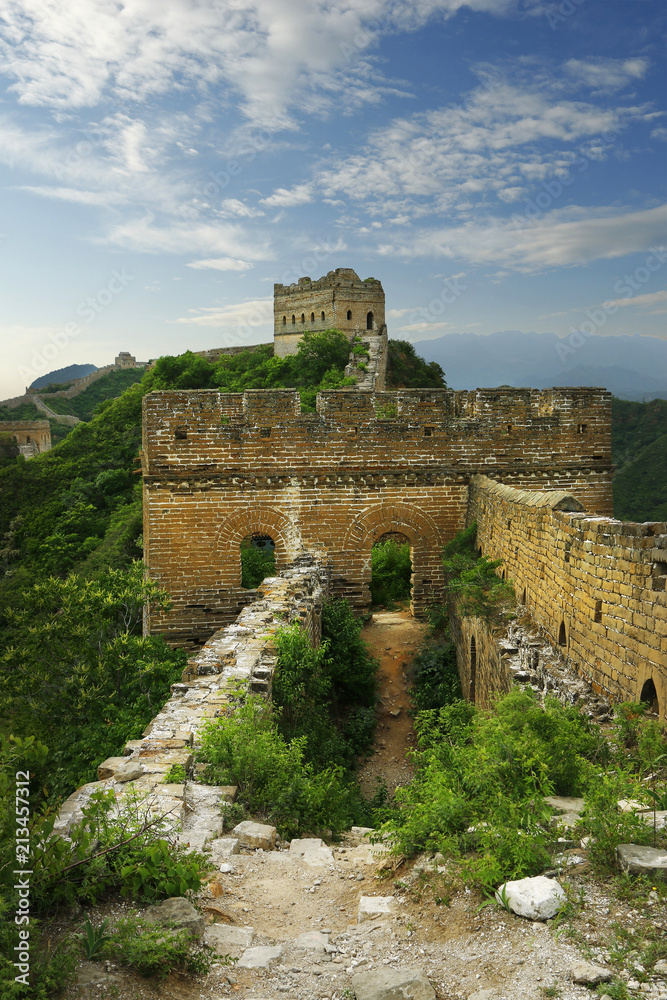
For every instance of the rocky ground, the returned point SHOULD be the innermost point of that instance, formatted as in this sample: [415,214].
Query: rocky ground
[297,921]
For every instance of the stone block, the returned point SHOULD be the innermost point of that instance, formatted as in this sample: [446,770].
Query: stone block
[642,860]
[538,898]
[392,984]
[227,940]
[255,835]
[375,907]
[260,958]
[176,912]
[108,767]
[586,974]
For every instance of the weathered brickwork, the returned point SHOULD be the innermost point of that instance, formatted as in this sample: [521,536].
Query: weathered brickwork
[340,300]
[595,586]
[32,437]
[219,467]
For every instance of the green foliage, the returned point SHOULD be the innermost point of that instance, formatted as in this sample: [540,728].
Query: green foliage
[156,871]
[435,677]
[85,404]
[78,671]
[176,775]
[93,939]
[272,775]
[154,950]
[490,771]
[472,578]
[256,565]
[352,669]
[391,572]
[406,370]
[639,450]
[386,411]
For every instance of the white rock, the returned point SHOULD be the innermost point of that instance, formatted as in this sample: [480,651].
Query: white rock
[224,847]
[392,984]
[259,958]
[660,817]
[660,967]
[312,941]
[632,805]
[537,898]
[564,803]
[176,912]
[300,846]
[255,835]
[633,858]
[372,907]
[586,974]
[223,938]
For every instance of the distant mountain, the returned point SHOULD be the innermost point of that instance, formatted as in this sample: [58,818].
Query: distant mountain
[631,367]
[63,375]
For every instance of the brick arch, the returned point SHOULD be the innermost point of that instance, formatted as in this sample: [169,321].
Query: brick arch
[254,520]
[412,522]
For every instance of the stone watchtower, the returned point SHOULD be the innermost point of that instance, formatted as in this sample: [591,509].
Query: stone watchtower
[340,300]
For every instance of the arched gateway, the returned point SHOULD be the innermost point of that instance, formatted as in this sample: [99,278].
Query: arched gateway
[220,467]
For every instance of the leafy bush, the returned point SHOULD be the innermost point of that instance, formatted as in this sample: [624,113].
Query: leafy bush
[490,771]
[272,775]
[472,579]
[256,565]
[435,677]
[391,572]
[154,950]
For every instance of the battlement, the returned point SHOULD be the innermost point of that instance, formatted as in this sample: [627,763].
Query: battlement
[32,437]
[339,300]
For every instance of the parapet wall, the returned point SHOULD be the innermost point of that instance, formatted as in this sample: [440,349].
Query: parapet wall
[241,655]
[595,586]
[218,467]
[32,436]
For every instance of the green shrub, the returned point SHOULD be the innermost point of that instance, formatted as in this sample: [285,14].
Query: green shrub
[472,579]
[256,565]
[435,677]
[154,950]
[391,572]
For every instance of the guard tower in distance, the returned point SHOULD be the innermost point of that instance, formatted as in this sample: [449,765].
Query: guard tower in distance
[340,300]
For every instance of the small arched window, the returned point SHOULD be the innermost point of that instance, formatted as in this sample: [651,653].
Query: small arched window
[284,320]
[312,317]
[293,319]
[28,439]
[323,315]
[369,321]
[303,317]
[562,636]
[349,314]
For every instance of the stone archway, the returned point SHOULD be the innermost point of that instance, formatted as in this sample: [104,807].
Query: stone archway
[253,521]
[425,545]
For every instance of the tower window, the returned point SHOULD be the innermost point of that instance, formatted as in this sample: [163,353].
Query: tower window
[323,315]
[284,320]
[562,637]
[303,317]
[369,321]
[582,428]
[312,317]
[293,319]
[349,314]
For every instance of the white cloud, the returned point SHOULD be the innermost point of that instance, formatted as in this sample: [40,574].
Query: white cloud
[148,236]
[76,195]
[562,238]
[220,264]
[606,75]
[284,198]
[655,301]
[241,323]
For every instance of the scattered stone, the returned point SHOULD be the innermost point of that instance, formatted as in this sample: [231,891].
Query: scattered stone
[224,939]
[372,907]
[632,805]
[392,984]
[92,974]
[660,968]
[177,912]
[255,835]
[659,817]
[564,803]
[224,847]
[259,958]
[483,995]
[215,911]
[633,858]
[536,898]
[585,974]
[128,772]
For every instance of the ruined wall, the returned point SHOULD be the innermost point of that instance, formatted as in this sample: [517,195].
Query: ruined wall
[594,586]
[243,654]
[339,300]
[32,436]
[218,467]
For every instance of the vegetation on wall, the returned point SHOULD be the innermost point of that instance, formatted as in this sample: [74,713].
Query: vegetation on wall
[406,370]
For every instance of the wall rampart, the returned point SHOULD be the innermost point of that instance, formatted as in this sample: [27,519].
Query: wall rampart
[241,655]
[218,467]
[594,586]
[32,436]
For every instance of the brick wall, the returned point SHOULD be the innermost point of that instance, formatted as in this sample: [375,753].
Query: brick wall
[595,586]
[218,467]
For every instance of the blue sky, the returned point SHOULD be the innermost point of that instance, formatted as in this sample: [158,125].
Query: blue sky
[497,164]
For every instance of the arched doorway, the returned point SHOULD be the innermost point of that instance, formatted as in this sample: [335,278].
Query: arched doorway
[649,696]
[391,569]
[258,559]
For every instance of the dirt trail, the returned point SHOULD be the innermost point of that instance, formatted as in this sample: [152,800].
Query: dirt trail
[394,637]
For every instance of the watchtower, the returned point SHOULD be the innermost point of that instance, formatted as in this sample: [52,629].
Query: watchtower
[339,300]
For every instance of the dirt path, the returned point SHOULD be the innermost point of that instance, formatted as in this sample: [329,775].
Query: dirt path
[394,637]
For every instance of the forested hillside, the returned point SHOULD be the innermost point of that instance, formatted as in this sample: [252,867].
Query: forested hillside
[639,451]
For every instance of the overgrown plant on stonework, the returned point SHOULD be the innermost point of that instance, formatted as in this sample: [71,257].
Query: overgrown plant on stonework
[472,579]
[256,565]
[154,950]
[272,775]
[435,677]
[391,572]
[481,778]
